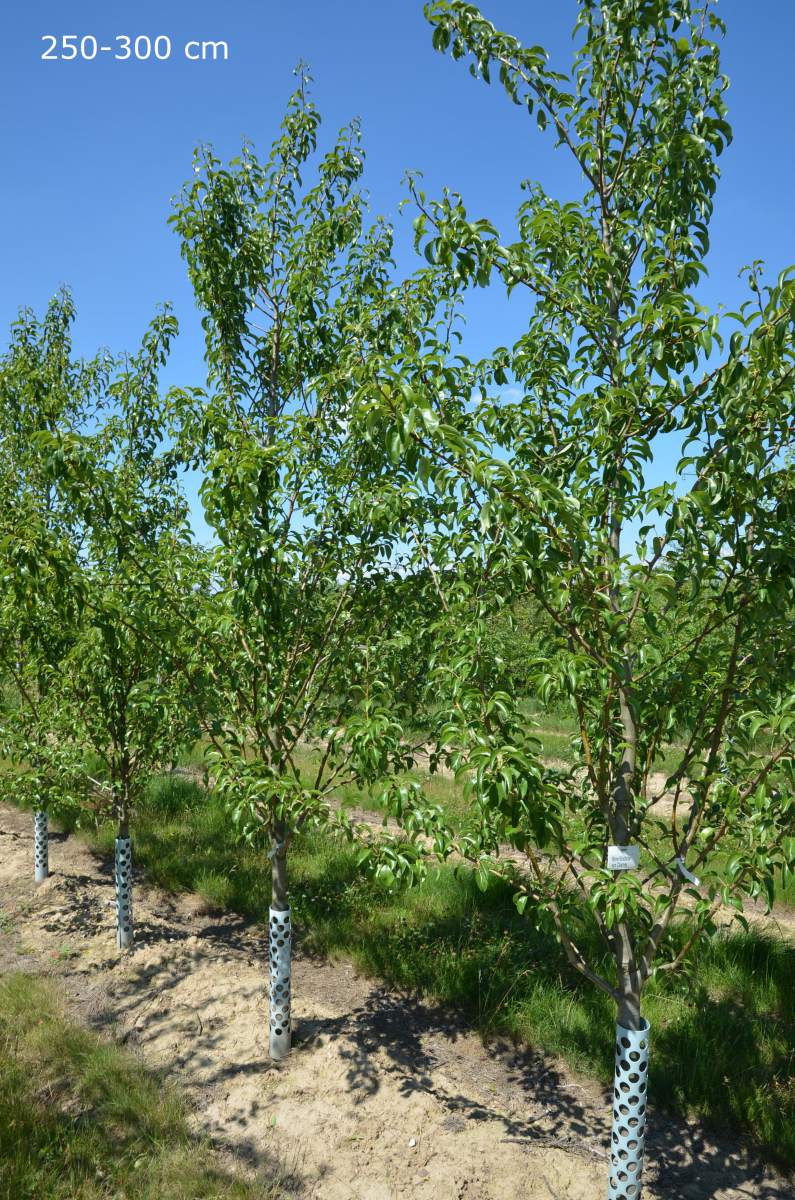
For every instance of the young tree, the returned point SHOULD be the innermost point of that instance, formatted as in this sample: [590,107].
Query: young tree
[42,389]
[667,607]
[129,668]
[308,591]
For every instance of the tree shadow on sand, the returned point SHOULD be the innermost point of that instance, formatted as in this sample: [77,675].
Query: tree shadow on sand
[418,1039]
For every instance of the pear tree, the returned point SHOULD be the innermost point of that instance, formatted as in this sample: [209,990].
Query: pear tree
[291,278]
[666,607]
[43,389]
[134,666]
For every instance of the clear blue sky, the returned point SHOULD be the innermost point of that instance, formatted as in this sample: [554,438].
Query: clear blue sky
[93,151]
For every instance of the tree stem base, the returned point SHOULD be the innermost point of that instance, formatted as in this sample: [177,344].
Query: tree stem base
[280,953]
[629,1112]
[41,846]
[123,876]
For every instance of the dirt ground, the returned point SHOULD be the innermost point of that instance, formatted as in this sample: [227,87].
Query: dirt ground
[383,1097]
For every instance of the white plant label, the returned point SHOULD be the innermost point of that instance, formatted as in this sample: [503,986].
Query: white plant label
[688,875]
[623,858]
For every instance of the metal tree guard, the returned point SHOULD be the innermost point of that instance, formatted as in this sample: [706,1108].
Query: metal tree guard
[280,954]
[123,875]
[41,846]
[629,1112]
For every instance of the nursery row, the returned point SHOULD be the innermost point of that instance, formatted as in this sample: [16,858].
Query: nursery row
[414,551]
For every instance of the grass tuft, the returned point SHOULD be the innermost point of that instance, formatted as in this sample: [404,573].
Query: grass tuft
[82,1120]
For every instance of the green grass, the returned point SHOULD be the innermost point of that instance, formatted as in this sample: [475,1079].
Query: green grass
[785,890]
[81,1120]
[724,1037]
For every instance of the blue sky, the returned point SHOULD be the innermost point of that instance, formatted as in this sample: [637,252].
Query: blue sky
[93,151]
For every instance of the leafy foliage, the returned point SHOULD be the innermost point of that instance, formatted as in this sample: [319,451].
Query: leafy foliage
[309,610]
[134,670]
[665,607]
[42,391]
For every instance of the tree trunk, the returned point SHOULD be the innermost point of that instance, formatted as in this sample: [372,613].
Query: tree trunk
[629,1011]
[41,846]
[279,889]
[629,1100]
[280,948]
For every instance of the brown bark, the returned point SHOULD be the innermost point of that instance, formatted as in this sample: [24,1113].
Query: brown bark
[280,896]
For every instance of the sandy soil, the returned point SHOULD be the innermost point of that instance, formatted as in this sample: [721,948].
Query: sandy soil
[383,1097]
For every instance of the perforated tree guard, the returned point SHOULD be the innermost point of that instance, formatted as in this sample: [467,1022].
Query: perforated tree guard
[41,847]
[280,955]
[124,917]
[629,1112]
